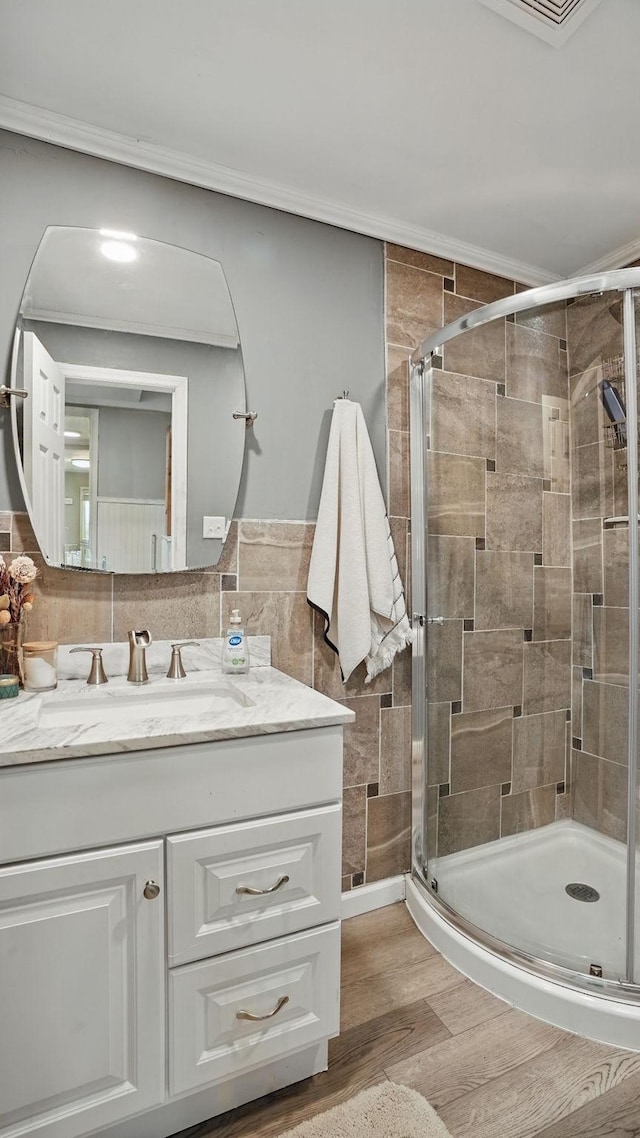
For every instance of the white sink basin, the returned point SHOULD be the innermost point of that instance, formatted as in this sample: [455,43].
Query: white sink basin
[164,701]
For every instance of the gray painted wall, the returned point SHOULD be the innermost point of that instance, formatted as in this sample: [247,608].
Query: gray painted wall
[308,298]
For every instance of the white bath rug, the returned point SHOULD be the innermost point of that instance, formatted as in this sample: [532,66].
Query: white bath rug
[385,1111]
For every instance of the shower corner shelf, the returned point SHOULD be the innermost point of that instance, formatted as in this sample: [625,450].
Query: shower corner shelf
[613,369]
[615,435]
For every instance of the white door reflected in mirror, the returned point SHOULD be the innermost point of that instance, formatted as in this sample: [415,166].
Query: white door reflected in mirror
[109,447]
[44,443]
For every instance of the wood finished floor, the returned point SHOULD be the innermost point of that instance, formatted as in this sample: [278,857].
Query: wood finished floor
[489,1071]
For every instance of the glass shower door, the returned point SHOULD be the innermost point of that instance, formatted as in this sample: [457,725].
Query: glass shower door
[632,374]
[601,644]
[526,568]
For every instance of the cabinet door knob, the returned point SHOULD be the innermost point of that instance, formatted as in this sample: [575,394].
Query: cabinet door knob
[253,892]
[151,890]
[249,1015]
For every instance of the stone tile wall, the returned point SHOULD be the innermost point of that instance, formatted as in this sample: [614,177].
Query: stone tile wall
[498,546]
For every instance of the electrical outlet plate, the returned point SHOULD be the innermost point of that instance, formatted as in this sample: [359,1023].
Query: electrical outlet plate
[214,527]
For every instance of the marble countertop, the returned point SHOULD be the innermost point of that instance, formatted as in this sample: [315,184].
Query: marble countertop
[264,701]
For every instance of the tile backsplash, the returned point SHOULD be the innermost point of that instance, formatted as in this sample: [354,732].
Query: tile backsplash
[263,572]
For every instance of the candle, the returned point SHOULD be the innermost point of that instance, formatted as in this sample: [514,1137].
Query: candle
[40,672]
[9,687]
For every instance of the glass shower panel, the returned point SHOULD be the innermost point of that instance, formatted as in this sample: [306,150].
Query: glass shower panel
[600,676]
[526,648]
[420,385]
[633,899]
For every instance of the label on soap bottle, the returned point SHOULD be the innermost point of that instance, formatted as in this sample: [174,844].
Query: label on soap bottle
[235,654]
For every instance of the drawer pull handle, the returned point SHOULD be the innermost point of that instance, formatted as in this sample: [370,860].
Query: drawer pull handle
[279,1006]
[151,890]
[253,892]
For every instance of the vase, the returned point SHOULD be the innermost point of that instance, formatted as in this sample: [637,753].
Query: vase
[11,639]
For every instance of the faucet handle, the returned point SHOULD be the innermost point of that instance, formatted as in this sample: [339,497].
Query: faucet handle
[176,669]
[97,675]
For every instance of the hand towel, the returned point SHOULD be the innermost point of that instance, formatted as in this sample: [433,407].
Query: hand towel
[353,576]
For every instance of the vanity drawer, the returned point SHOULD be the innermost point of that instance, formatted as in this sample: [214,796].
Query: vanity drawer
[293,858]
[211,1038]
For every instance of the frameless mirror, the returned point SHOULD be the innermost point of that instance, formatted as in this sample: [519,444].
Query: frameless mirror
[127,446]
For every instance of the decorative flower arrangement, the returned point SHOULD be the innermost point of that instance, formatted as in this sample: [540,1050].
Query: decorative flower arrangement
[15,594]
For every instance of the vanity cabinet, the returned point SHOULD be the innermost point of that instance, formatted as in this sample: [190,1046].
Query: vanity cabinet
[110,1026]
[81,991]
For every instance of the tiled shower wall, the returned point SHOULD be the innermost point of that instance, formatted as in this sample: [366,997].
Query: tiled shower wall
[499,552]
[600,571]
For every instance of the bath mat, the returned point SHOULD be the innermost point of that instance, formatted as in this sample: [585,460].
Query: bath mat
[385,1111]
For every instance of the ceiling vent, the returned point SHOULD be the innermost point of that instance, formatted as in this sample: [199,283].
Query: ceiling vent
[552,20]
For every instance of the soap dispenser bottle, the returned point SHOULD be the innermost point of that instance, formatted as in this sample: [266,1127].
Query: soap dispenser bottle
[235,650]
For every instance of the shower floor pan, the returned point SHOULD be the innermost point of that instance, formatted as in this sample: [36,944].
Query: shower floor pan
[515,890]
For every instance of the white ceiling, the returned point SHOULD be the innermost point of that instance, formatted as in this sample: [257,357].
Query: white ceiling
[437,123]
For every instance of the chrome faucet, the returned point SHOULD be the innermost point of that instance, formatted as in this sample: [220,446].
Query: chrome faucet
[138,643]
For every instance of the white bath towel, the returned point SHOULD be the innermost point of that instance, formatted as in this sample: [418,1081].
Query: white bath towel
[353,577]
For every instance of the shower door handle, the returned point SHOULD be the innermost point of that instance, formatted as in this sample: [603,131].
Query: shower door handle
[435,620]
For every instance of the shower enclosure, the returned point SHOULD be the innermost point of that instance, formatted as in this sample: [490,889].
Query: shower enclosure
[524,473]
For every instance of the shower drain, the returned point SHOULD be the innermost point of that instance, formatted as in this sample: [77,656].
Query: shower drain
[581,892]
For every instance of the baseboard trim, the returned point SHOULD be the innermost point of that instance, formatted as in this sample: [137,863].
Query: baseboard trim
[366,898]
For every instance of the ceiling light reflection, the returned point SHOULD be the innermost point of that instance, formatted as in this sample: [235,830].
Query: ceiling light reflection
[118,251]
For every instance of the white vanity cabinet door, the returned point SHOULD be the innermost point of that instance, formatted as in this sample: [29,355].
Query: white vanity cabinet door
[293,987]
[293,858]
[81,991]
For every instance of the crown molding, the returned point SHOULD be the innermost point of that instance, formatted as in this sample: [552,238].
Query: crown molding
[617,259]
[36,122]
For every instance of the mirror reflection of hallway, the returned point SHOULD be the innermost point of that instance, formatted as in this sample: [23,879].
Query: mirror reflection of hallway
[110,508]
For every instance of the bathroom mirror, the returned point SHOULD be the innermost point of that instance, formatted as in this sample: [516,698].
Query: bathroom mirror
[127,446]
